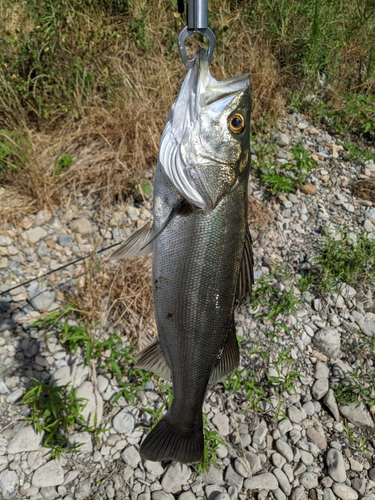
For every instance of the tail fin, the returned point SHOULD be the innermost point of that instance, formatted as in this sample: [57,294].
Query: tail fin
[170,441]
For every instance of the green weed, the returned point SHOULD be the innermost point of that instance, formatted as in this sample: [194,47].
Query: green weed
[65,161]
[346,261]
[211,443]
[56,411]
[14,149]
[285,177]
[357,153]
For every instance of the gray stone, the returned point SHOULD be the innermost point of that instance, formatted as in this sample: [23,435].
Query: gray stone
[279,494]
[266,481]
[65,240]
[359,484]
[371,474]
[221,422]
[34,234]
[74,374]
[298,493]
[102,383]
[316,437]
[161,495]
[175,477]
[309,480]
[254,462]
[283,481]
[336,465]
[123,422]
[26,439]
[278,460]
[154,468]
[242,467]
[284,449]
[330,401]
[320,388]
[189,495]
[7,324]
[328,494]
[260,433]
[306,457]
[9,484]
[34,460]
[83,441]
[82,226]
[93,411]
[83,490]
[49,493]
[40,297]
[219,496]
[285,426]
[233,479]
[296,415]
[15,395]
[131,456]
[344,492]
[357,414]
[309,408]
[50,474]
[283,140]
[327,341]
[5,241]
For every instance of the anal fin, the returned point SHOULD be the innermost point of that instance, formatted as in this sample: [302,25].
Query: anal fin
[228,361]
[139,243]
[152,359]
[246,278]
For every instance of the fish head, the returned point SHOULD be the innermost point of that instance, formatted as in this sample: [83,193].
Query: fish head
[205,146]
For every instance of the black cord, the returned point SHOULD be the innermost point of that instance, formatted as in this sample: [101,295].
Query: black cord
[59,269]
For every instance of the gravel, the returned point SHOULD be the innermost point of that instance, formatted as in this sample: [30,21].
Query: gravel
[302,441]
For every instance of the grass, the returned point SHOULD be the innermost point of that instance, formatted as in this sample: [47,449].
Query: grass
[284,177]
[56,412]
[345,261]
[94,80]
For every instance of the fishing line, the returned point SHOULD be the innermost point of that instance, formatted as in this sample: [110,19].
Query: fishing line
[59,268]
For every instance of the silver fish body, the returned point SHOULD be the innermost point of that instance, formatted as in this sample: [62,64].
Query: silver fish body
[201,248]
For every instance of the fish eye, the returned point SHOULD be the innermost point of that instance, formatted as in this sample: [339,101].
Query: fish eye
[237,123]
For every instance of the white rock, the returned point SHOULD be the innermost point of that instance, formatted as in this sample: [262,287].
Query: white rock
[284,449]
[336,465]
[357,414]
[75,374]
[93,411]
[34,234]
[344,492]
[176,476]
[50,474]
[9,484]
[131,456]
[82,226]
[327,341]
[123,422]
[26,439]
[154,468]
[84,439]
[320,388]
[266,481]
[221,422]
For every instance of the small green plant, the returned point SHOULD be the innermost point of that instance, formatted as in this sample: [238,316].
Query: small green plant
[65,161]
[357,441]
[56,411]
[357,153]
[287,176]
[211,443]
[14,149]
[346,261]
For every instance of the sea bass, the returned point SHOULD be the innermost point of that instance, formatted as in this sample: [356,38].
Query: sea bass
[201,251]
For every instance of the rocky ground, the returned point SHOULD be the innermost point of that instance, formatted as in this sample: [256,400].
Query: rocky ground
[285,432]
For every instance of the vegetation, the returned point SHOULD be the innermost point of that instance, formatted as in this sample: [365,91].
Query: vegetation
[93,80]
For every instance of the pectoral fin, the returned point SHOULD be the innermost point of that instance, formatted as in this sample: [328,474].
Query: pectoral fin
[246,278]
[152,359]
[139,243]
[228,361]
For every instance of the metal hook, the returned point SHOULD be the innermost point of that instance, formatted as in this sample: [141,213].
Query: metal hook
[197,22]
[185,33]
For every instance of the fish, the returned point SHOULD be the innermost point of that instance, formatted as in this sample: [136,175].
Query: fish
[202,260]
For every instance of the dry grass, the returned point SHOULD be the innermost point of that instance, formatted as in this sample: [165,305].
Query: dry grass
[364,189]
[118,295]
[259,215]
